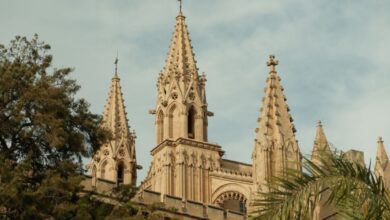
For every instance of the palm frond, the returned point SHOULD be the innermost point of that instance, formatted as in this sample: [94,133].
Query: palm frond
[352,189]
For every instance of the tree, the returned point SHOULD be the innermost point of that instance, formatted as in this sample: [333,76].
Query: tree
[44,133]
[352,189]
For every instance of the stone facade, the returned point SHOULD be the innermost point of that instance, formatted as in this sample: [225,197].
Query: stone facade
[187,171]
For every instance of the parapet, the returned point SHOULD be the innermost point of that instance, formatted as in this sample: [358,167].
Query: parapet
[177,207]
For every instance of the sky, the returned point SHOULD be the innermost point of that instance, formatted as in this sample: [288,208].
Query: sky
[334,61]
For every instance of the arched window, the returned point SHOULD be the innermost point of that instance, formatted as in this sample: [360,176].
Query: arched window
[160,127]
[94,175]
[173,122]
[103,170]
[232,200]
[120,172]
[191,123]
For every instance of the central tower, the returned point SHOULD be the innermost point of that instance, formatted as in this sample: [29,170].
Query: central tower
[182,158]
[181,108]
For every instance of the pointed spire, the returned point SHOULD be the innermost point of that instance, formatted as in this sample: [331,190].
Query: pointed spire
[381,156]
[180,62]
[321,144]
[275,122]
[114,116]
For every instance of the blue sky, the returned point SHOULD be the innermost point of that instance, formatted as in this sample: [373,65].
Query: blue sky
[333,60]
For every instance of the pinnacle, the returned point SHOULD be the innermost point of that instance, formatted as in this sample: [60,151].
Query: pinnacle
[276,122]
[381,155]
[272,63]
[115,116]
[320,141]
[180,58]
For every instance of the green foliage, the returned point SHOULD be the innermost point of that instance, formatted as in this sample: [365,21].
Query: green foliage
[351,189]
[44,133]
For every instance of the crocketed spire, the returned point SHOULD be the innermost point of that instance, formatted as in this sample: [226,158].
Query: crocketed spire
[275,122]
[114,117]
[321,144]
[276,149]
[180,64]
[381,156]
[115,160]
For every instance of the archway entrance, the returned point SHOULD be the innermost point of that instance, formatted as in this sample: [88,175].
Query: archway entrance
[232,200]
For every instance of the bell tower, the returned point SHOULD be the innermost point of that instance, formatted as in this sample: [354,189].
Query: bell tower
[181,107]
[183,157]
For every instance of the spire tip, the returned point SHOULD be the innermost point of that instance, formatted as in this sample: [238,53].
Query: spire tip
[116,64]
[180,7]
[272,63]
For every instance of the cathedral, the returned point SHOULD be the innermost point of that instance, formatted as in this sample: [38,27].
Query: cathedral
[185,165]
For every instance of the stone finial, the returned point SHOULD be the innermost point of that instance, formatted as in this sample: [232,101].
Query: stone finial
[116,65]
[381,155]
[321,144]
[272,63]
[180,6]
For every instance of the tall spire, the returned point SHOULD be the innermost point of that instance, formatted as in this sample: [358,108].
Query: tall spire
[115,116]
[276,149]
[381,156]
[382,164]
[180,62]
[321,144]
[181,91]
[275,122]
[116,160]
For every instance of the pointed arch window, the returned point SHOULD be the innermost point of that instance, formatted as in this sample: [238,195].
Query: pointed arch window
[191,123]
[103,169]
[120,172]
[160,127]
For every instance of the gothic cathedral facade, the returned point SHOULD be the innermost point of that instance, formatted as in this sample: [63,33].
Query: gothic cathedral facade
[185,164]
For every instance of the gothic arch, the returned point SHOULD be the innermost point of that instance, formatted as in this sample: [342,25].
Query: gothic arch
[191,119]
[173,115]
[120,171]
[231,196]
[105,168]
[160,126]
[93,174]
[230,187]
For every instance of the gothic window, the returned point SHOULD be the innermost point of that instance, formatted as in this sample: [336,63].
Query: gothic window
[103,170]
[160,127]
[94,175]
[173,122]
[191,122]
[120,172]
